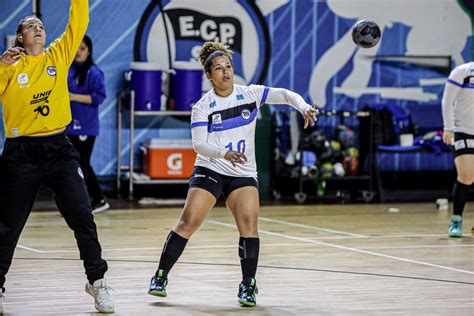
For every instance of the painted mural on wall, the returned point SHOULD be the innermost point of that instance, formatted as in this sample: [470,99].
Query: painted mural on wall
[191,23]
[301,45]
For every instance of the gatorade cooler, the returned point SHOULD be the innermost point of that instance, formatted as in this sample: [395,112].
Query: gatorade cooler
[168,158]
[146,82]
[185,85]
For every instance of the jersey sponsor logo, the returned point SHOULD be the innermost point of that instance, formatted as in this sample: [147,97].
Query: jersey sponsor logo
[212,104]
[246,114]
[40,97]
[189,24]
[22,78]
[239,97]
[51,71]
[41,109]
[216,119]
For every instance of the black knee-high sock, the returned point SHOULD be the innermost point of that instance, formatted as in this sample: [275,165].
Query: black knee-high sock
[249,249]
[460,195]
[172,250]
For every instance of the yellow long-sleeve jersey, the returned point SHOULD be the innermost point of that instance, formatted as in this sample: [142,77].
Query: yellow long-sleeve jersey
[34,90]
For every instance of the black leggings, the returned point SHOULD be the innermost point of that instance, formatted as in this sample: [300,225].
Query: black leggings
[84,148]
[28,162]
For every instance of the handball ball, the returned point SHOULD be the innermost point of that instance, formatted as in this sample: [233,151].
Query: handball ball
[366,34]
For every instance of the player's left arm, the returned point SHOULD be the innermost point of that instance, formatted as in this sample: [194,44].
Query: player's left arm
[284,96]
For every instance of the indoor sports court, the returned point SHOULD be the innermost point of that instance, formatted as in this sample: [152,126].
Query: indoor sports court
[221,157]
[315,259]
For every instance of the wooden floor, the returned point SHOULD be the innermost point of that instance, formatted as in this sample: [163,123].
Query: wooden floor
[314,260]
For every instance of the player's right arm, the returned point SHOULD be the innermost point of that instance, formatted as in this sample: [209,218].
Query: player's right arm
[9,57]
[451,90]
[199,125]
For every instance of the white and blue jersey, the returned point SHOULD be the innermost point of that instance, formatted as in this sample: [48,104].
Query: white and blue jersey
[458,100]
[220,124]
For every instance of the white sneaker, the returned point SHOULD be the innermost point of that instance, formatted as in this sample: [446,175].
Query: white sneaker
[100,206]
[100,292]
[2,297]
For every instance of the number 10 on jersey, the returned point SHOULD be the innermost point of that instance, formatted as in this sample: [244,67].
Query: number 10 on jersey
[240,146]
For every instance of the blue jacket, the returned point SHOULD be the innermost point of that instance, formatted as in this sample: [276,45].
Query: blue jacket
[85,117]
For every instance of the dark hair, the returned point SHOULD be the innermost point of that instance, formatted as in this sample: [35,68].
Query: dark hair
[211,50]
[19,28]
[83,68]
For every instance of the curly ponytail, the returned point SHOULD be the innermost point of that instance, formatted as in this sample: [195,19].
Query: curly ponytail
[210,50]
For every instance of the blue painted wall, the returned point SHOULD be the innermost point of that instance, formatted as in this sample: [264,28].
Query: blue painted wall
[311,53]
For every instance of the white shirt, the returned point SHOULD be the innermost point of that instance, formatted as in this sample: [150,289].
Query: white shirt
[221,124]
[458,100]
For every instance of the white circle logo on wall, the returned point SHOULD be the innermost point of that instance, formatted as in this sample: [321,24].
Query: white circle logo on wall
[238,23]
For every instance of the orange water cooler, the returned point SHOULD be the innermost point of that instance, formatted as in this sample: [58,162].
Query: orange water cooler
[168,158]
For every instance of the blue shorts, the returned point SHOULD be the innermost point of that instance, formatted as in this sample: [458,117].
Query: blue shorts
[218,184]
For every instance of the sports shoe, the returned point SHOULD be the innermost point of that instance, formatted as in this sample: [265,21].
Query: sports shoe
[100,292]
[100,206]
[2,297]
[247,292]
[455,227]
[158,284]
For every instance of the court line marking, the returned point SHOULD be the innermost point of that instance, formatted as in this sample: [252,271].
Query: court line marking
[187,247]
[387,236]
[29,248]
[417,246]
[73,250]
[348,248]
[260,266]
[266,219]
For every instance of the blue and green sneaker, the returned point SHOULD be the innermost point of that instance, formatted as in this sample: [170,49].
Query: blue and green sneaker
[247,292]
[455,227]
[158,284]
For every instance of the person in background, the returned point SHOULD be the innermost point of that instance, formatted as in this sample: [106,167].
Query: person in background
[36,111]
[223,126]
[458,121]
[2,132]
[86,91]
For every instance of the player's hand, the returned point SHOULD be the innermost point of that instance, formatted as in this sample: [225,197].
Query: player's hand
[11,55]
[448,137]
[310,116]
[235,157]
[72,97]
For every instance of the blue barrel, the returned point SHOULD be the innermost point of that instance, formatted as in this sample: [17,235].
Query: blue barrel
[185,85]
[146,82]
